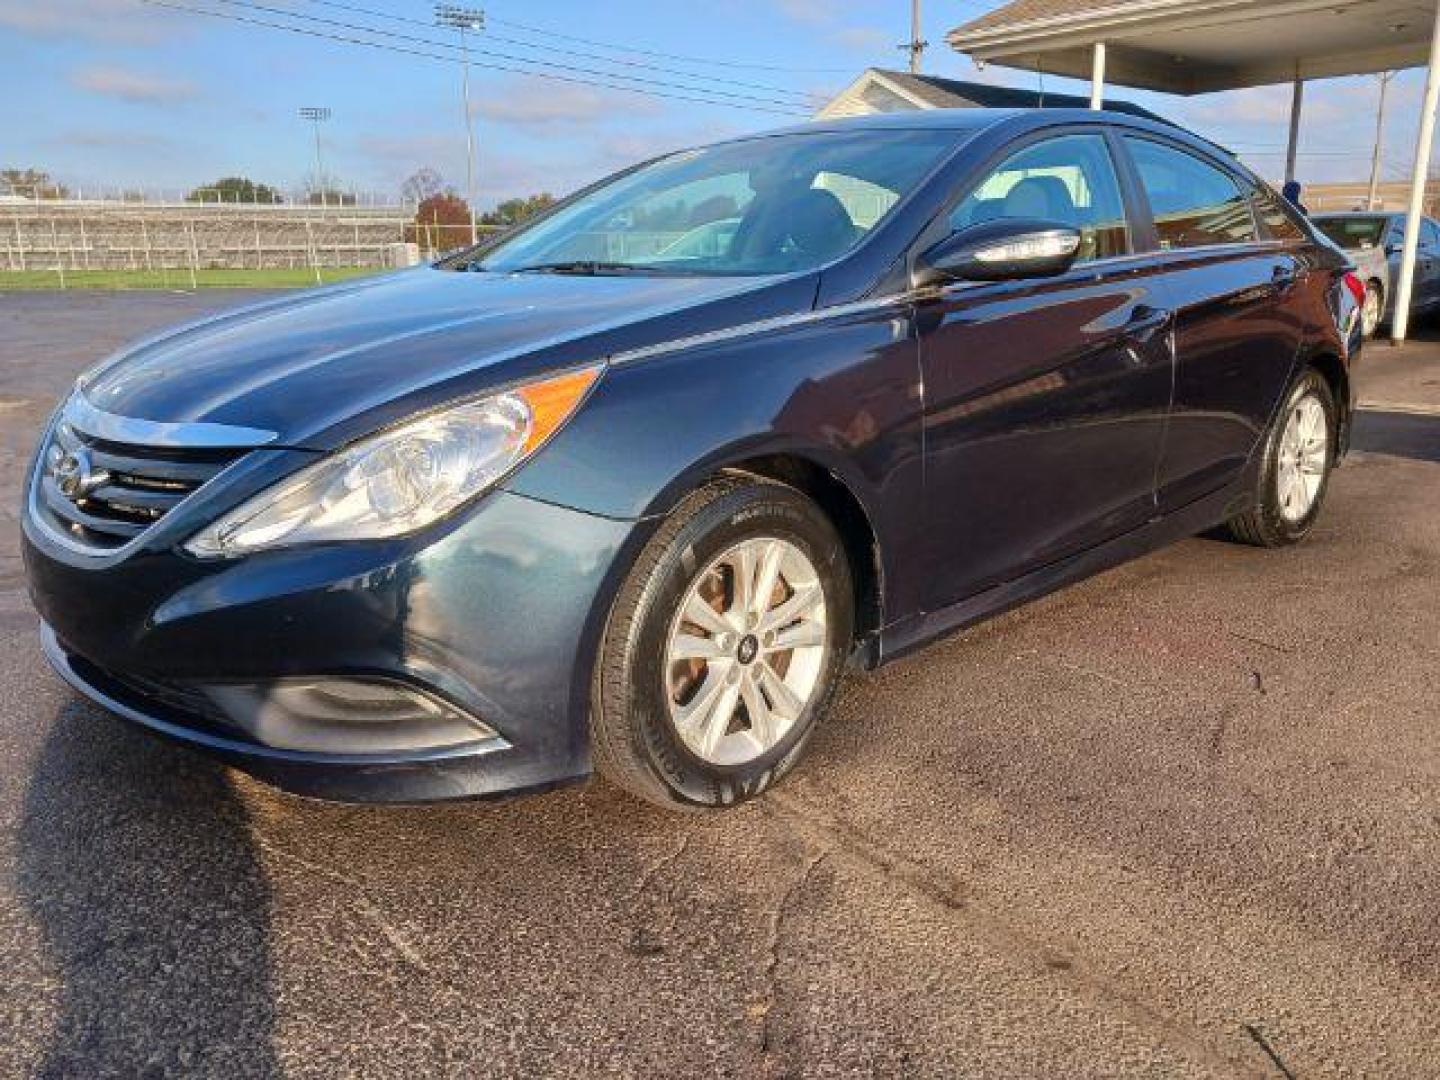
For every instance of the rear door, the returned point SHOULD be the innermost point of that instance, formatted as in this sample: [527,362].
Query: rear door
[1045,400]
[1234,293]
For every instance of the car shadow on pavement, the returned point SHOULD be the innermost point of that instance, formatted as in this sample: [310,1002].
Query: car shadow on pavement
[137,864]
[1409,435]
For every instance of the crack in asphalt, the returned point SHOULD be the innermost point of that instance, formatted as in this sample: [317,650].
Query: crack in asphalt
[843,838]
[648,875]
[646,939]
[354,898]
[1260,1040]
[764,1009]
[1261,642]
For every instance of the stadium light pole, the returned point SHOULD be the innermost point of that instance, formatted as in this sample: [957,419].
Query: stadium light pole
[317,115]
[464,19]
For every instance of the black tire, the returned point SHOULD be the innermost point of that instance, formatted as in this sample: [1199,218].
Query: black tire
[1265,524]
[635,743]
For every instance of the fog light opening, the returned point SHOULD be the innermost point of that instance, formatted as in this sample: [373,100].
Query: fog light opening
[349,716]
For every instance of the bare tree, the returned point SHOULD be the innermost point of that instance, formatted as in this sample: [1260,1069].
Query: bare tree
[423,184]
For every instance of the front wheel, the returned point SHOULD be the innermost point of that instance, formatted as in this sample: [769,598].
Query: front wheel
[723,648]
[1295,473]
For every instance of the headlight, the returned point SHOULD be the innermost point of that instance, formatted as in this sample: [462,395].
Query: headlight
[401,479]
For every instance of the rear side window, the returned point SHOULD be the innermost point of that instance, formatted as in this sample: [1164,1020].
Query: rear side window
[1274,221]
[1069,180]
[1352,233]
[1195,203]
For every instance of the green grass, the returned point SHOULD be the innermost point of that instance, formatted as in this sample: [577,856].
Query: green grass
[176,279]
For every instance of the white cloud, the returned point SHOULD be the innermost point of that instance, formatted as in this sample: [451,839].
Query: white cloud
[106,139]
[527,103]
[867,39]
[1265,105]
[827,19]
[98,20]
[507,168]
[134,86]
[810,12]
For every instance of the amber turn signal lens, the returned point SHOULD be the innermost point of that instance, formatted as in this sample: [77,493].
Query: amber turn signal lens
[553,400]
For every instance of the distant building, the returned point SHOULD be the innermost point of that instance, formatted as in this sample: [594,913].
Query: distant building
[878,90]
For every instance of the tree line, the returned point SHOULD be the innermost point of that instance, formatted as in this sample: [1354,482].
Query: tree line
[441,215]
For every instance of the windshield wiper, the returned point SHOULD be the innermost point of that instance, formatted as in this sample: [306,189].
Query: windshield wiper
[584,266]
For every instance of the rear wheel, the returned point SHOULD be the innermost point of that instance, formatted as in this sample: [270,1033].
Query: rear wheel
[1299,455]
[723,648]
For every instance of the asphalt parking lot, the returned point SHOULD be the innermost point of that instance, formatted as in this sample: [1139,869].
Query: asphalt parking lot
[1181,820]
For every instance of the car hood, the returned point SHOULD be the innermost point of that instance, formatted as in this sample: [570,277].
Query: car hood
[318,366]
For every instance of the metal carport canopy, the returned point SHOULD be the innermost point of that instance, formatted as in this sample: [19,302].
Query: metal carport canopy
[1202,46]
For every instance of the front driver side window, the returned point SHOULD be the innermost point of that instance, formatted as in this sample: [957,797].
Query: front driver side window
[1069,180]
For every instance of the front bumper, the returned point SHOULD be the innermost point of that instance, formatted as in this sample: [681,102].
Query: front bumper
[497,617]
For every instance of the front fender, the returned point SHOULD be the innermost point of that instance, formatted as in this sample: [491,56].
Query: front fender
[842,393]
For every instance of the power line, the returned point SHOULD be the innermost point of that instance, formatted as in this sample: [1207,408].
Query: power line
[285,13]
[805,96]
[671,56]
[776,108]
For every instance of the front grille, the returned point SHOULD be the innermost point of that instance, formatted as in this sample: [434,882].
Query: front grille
[103,494]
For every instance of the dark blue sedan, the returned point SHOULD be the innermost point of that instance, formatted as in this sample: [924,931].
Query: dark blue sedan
[604,494]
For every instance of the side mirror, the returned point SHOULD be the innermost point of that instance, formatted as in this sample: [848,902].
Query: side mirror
[1005,249]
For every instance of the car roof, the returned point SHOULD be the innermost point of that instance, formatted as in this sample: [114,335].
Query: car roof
[968,122]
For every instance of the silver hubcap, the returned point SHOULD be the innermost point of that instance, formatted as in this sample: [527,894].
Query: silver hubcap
[745,651]
[1304,457]
[1370,315]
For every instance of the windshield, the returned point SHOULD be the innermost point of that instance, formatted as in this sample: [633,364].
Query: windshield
[762,206]
[1352,232]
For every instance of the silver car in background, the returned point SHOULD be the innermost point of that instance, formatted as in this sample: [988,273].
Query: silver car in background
[1373,242]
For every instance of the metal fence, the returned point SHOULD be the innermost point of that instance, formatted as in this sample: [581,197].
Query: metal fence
[73,235]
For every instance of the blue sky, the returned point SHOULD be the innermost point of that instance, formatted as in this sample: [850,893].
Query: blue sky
[121,93]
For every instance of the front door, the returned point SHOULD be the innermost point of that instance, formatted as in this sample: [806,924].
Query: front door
[1045,400]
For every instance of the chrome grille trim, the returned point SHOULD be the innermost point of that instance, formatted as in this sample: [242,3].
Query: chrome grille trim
[142,481]
[80,414]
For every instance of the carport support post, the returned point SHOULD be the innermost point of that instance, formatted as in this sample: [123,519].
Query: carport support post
[1400,320]
[1296,101]
[1097,77]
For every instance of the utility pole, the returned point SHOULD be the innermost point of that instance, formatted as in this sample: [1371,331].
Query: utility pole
[465,19]
[317,115]
[1374,197]
[916,45]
